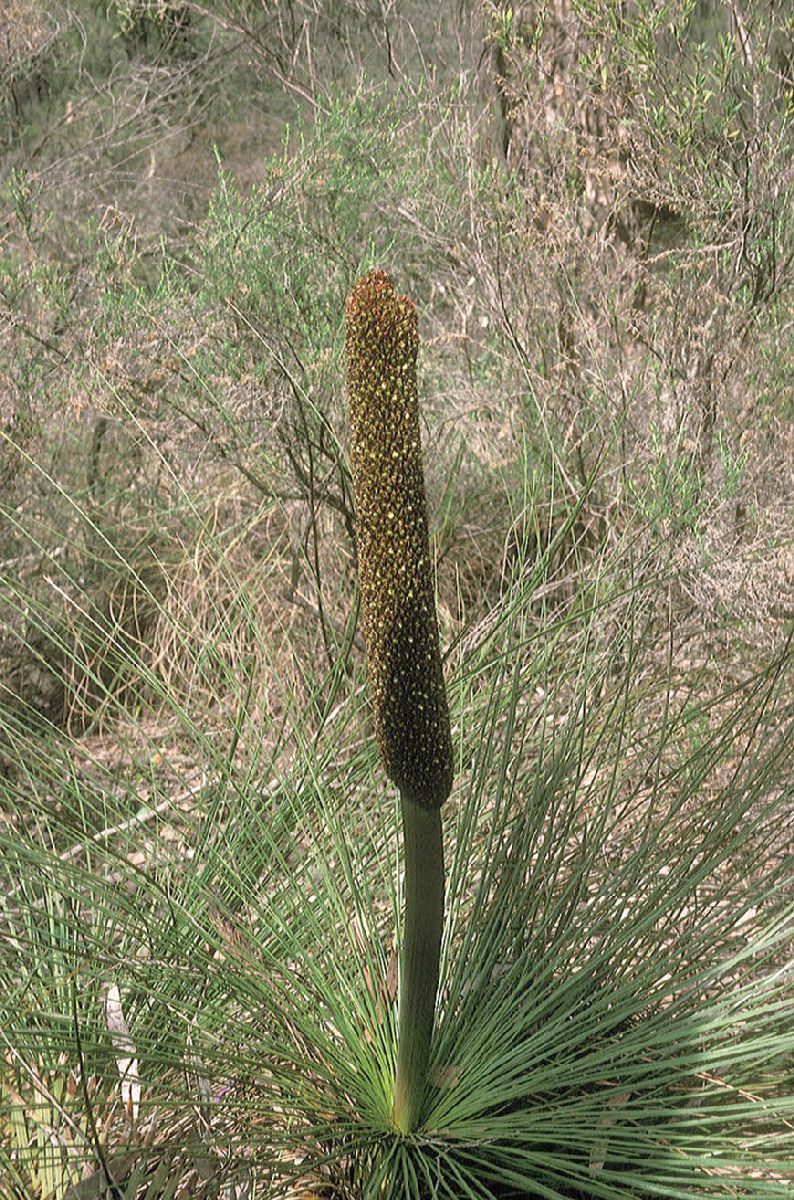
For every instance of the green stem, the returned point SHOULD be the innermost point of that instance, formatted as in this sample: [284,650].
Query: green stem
[424,919]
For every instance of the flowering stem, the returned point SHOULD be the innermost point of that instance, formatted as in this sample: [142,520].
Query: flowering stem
[406,677]
[424,919]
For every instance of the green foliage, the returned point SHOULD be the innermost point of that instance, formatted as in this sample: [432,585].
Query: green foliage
[319,214]
[614,1004]
[672,499]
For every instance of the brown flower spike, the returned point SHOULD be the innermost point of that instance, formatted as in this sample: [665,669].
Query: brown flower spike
[395,574]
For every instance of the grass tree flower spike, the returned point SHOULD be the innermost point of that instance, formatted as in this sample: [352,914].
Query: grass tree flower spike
[403,657]
[395,574]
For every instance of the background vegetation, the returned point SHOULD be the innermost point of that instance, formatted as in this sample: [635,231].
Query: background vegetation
[592,205]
